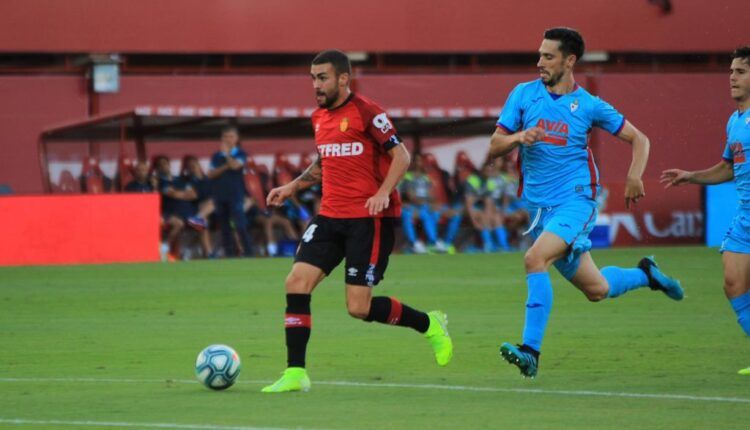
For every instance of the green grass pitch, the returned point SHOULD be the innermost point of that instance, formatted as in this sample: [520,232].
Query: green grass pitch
[114,347]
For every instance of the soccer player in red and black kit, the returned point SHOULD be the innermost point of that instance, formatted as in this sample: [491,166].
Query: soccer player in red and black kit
[360,161]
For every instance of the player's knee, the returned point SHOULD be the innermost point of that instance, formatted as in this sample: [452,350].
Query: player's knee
[732,286]
[358,310]
[595,295]
[297,284]
[533,261]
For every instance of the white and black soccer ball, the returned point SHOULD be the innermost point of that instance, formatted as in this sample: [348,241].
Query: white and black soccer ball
[217,367]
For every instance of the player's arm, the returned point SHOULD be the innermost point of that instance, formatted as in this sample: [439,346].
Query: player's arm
[215,173]
[400,160]
[716,174]
[234,163]
[503,142]
[634,183]
[187,194]
[311,176]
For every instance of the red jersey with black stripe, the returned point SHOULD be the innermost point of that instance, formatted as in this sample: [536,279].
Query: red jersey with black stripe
[353,141]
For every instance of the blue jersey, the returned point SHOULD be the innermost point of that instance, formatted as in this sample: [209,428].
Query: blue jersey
[230,185]
[561,166]
[171,206]
[735,151]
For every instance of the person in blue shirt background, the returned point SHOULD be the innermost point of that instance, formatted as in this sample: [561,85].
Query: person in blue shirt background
[549,120]
[735,248]
[203,204]
[141,182]
[228,190]
[177,198]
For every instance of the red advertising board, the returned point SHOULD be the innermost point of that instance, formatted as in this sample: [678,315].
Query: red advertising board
[78,229]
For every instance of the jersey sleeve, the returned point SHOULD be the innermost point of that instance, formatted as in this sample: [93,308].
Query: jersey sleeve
[379,127]
[511,117]
[727,155]
[607,117]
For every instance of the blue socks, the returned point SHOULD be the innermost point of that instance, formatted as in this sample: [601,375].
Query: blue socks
[486,240]
[407,223]
[623,280]
[501,235]
[453,224]
[538,307]
[741,306]
[429,223]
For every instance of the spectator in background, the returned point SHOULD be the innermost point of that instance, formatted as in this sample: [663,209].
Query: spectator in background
[495,184]
[176,203]
[418,200]
[203,205]
[268,220]
[516,214]
[228,190]
[141,182]
[476,191]
[447,203]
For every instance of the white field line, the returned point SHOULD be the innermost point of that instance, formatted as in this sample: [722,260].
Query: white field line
[126,424]
[589,393]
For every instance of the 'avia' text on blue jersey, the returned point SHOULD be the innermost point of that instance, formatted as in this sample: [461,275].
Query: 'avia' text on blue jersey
[561,166]
[735,151]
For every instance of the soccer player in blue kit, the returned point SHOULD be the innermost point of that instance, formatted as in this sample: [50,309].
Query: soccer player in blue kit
[549,120]
[735,248]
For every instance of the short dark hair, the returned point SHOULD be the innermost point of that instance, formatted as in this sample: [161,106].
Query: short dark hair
[230,129]
[338,60]
[742,52]
[570,40]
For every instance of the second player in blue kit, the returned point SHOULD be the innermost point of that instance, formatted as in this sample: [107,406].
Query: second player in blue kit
[735,248]
[549,121]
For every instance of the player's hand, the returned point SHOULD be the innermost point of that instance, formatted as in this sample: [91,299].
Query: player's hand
[633,191]
[674,177]
[278,195]
[531,135]
[377,203]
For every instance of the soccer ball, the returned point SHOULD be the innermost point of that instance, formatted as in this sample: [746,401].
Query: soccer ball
[217,367]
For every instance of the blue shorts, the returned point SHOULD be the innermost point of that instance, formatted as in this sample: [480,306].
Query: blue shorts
[572,222]
[737,238]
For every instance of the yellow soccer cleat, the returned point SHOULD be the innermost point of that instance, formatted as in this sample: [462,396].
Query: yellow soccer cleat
[293,379]
[437,335]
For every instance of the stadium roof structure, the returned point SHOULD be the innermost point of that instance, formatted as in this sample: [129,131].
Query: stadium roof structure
[170,122]
[155,123]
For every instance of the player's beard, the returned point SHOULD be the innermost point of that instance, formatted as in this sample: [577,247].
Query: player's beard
[552,79]
[328,99]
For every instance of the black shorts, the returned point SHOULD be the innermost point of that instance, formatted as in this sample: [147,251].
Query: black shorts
[365,242]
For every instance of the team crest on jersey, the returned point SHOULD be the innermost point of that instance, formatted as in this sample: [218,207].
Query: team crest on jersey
[747,121]
[344,125]
[574,105]
[738,153]
[317,127]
